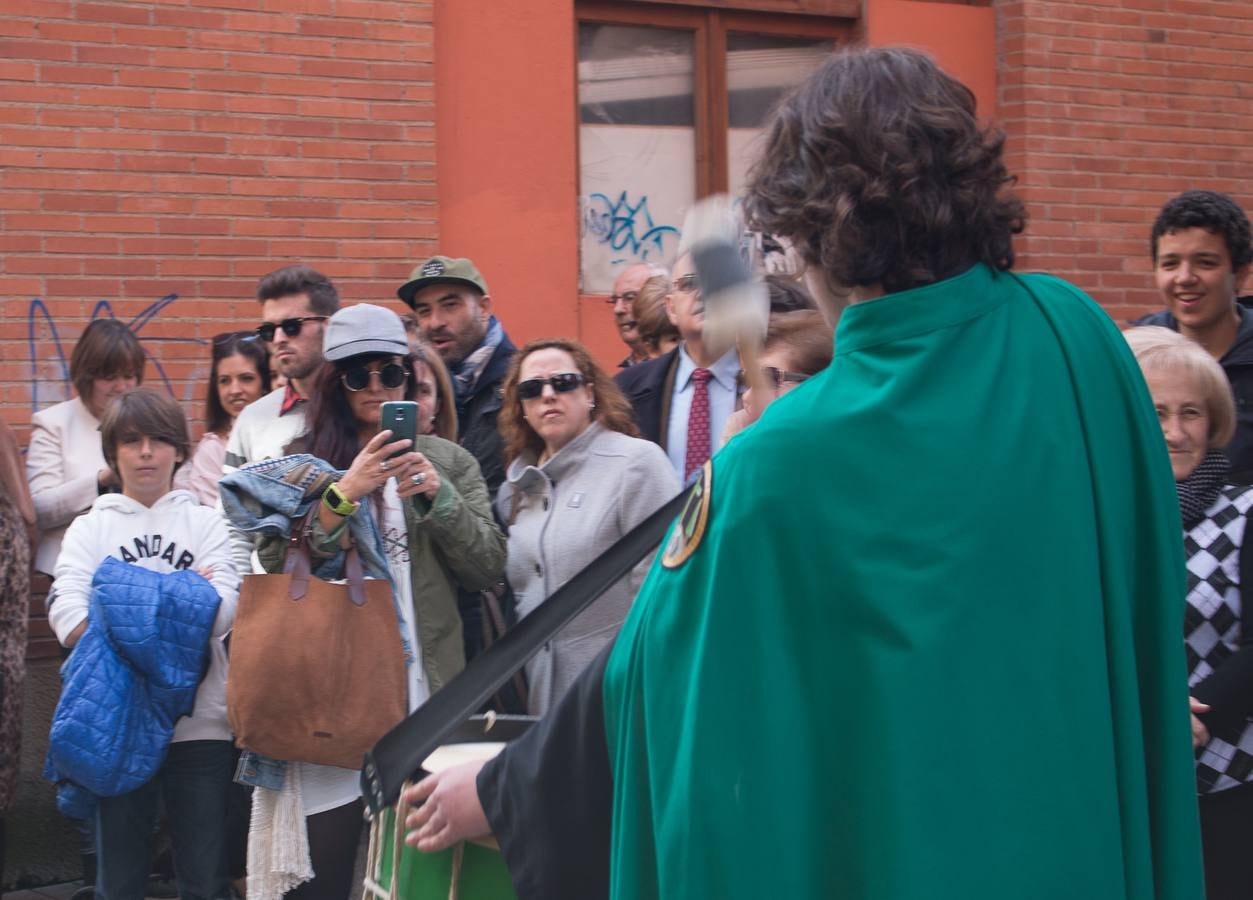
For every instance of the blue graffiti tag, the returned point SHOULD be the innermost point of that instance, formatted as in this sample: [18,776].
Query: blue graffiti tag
[626,226]
[53,353]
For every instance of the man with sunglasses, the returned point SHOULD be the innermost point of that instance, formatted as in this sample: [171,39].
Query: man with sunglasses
[295,303]
[683,399]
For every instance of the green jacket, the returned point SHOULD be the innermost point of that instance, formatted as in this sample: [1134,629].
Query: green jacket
[453,541]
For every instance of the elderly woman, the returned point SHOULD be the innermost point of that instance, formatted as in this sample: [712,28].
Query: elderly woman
[578,478]
[1194,404]
[64,462]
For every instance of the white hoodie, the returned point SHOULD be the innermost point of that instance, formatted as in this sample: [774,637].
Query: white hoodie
[174,533]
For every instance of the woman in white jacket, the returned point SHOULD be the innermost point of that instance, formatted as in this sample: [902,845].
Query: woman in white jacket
[144,437]
[64,463]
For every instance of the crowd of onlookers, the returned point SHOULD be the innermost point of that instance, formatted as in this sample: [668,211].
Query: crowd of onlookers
[530,463]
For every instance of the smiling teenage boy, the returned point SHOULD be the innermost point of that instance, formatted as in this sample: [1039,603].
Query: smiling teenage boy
[1202,252]
[150,525]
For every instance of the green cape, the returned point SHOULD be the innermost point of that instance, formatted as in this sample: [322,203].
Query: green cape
[929,645]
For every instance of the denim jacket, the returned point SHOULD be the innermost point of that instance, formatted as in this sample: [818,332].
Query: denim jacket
[267,498]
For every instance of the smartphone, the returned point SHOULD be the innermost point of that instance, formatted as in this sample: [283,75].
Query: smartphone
[401,418]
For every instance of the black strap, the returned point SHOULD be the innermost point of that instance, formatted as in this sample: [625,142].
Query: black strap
[398,755]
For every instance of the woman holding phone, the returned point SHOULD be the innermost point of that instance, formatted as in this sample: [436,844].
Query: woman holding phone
[432,512]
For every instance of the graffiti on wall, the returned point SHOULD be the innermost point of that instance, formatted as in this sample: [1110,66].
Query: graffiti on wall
[627,227]
[49,376]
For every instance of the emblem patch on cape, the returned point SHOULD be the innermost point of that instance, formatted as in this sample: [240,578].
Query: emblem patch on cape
[689,531]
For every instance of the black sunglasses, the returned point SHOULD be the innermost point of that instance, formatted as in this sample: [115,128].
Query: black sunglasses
[291,327]
[562,382]
[391,376]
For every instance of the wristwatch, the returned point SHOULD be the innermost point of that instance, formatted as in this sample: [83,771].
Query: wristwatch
[336,502]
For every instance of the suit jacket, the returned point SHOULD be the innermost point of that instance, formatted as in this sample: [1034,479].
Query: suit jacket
[62,462]
[649,386]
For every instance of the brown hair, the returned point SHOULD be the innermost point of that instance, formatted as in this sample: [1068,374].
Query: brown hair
[143,412]
[106,348]
[613,410]
[649,311]
[879,173]
[446,410]
[233,343]
[805,337]
[323,297]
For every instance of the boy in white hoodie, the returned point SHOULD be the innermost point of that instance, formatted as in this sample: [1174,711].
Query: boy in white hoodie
[145,438]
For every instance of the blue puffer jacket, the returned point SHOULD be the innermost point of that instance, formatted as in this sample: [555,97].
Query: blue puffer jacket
[131,676]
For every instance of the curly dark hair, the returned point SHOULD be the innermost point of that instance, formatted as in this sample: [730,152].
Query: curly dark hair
[1212,211]
[613,410]
[879,173]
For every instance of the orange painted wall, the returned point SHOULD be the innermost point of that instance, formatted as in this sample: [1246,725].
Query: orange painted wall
[961,38]
[506,152]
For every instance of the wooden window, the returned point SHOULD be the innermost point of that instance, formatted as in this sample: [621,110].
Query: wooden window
[671,102]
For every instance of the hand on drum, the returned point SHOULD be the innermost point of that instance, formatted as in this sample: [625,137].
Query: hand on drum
[374,465]
[450,810]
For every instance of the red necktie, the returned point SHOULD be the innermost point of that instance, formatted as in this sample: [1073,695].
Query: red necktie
[698,447]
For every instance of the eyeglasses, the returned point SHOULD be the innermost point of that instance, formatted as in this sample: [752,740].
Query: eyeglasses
[291,327]
[624,297]
[562,383]
[686,284]
[778,377]
[391,376]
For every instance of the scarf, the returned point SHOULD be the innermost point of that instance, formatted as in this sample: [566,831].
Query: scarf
[1198,491]
[466,374]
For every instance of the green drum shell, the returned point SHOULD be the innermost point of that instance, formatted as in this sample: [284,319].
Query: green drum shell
[482,872]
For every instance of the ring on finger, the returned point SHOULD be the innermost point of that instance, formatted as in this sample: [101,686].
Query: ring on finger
[384,465]
[418,478]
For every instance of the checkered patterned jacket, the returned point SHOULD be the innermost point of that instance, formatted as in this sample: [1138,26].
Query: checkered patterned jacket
[1213,627]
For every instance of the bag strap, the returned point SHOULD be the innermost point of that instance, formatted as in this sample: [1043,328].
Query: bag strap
[399,754]
[299,566]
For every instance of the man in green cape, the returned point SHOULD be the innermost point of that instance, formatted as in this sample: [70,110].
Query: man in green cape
[917,635]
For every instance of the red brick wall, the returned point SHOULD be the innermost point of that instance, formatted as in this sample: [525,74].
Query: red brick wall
[156,148]
[1112,107]
[150,149]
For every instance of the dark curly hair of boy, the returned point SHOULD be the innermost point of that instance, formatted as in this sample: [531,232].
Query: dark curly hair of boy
[1216,213]
[878,171]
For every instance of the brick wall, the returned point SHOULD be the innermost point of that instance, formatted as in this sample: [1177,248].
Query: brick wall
[1113,106]
[153,150]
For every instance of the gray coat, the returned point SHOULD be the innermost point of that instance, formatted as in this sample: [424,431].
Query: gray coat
[564,514]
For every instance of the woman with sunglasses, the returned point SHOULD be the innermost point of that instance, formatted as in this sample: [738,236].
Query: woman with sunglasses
[428,506]
[238,375]
[577,479]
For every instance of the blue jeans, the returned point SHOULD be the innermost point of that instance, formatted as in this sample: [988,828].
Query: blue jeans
[192,781]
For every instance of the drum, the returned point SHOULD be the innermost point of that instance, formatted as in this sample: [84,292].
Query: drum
[473,870]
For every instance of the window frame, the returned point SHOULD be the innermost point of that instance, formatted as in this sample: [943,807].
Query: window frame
[709,29]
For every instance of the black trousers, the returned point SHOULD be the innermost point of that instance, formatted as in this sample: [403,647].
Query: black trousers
[333,839]
[1227,840]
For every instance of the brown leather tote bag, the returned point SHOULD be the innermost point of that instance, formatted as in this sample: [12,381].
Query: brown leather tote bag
[317,670]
